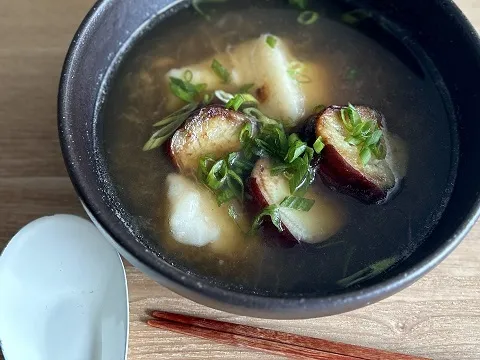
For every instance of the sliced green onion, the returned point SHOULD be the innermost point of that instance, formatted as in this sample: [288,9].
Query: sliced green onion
[196,6]
[223,96]
[292,139]
[246,133]
[308,155]
[365,155]
[369,272]
[220,71]
[295,151]
[297,203]
[168,126]
[308,17]
[224,177]
[355,16]
[238,163]
[301,4]
[271,41]
[299,180]
[352,140]
[204,166]
[188,75]
[279,169]
[239,100]
[185,90]
[365,134]
[184,112]
[179,90]
[318,145]
[217,175]
[374,138]
[162,135]
[235,183]
[257,114]
[272,211]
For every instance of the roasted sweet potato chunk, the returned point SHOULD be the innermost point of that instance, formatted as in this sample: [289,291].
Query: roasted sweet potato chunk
[212,130]
[322,221]
[341,166]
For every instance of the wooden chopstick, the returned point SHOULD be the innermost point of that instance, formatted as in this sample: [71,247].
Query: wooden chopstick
[274,342]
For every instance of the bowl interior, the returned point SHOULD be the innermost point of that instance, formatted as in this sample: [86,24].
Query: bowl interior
[107,32]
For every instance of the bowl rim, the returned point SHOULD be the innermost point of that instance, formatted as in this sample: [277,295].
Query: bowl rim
[194,287]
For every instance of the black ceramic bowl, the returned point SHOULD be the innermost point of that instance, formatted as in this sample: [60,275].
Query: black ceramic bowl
[436,25]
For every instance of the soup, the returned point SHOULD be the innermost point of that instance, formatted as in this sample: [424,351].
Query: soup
[295,151]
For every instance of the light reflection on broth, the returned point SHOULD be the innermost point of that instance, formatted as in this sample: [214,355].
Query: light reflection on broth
[360,71]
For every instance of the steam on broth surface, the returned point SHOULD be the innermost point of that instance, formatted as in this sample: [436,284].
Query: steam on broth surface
[353,67]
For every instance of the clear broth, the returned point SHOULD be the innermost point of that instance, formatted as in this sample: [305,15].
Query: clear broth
[402,86]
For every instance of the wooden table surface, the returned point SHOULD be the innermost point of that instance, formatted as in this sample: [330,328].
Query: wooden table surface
[438,317]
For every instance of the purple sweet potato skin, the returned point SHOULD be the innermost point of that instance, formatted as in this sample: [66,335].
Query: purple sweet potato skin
[336,172]
[273,236]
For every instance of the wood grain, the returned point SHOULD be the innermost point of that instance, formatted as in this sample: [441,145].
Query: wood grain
[438,317]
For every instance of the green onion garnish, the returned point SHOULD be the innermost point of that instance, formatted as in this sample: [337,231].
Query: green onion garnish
[291,156]
[246,133]
[318,145]
[271,41]
[196,6]
[295,150]
[236,101]
[185,90]
[168,126]
[239,100]
[355,16]
[369,272]
[365,134]
[220,71]
[225,177]
[296,72]
[217,175]
[223,96]
[301,4]
[308,17]
[297,203]
[257,114]
[188,75]
[272,211]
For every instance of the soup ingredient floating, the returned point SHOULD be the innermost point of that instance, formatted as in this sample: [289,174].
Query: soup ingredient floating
[242,168]
[286,88]
[312,219]
[213,131]
[195,218]
[354,160]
